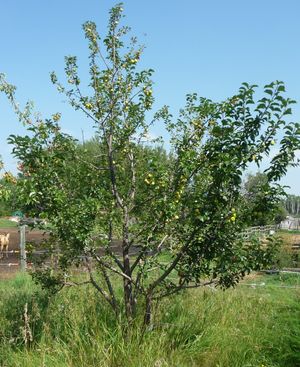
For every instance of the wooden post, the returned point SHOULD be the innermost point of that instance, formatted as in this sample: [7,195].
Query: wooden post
[22,247]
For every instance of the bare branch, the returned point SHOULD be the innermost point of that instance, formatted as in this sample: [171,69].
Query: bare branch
[143,252]
[115,191]
[133,176]
[110,288]
[173,263]
[72,283]
[183,286]
[110,267]
[96,285]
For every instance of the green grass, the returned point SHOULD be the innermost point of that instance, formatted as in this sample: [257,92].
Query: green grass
[5,223]
[243,327]
[294,231]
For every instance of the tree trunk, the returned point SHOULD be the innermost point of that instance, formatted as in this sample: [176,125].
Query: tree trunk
[128,291]
[148,311]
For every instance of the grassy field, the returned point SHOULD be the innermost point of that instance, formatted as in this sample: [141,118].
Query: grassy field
[5,223]
[287,231]
[249,326]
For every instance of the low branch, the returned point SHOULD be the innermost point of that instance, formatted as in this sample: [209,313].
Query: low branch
[116,271]
[143,252]
[110,288]
[109,251]
[183,286]
[71,284]
[173,264]
[96,285]
[108,266]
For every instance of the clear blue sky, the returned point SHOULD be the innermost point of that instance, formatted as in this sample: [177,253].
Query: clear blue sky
[209,47]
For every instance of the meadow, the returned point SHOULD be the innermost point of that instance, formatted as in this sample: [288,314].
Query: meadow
[256,324]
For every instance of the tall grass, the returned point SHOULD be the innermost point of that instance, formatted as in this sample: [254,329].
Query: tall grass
[289,257]
[243,327]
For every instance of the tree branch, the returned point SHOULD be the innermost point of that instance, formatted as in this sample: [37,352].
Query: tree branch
[96,285]
[183,286]
[173,264]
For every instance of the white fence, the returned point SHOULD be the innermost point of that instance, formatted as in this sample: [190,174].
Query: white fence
[259,231]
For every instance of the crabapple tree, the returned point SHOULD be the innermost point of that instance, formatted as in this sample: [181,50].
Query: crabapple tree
[176,214]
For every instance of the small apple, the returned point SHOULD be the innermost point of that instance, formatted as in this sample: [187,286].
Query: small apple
[56,117]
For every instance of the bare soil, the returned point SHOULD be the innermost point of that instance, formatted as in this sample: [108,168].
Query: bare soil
[10,263]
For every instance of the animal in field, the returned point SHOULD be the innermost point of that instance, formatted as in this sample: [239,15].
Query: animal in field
[4,242]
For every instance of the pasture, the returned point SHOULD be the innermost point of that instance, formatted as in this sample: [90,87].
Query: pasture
[5,223]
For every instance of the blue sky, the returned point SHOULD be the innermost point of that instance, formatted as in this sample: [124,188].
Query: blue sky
[209,47]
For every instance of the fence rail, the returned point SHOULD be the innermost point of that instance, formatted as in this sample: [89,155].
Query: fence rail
[22,262]
[259,231]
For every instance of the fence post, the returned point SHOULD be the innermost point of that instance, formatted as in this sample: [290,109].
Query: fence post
[22,247]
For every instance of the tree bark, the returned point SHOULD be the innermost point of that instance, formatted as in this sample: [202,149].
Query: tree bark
[148,311]
[128,291]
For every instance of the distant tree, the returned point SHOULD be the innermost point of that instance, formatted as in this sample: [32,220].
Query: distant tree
[292,205]
[262,201]
[7,192]
[185,205]
[280,213]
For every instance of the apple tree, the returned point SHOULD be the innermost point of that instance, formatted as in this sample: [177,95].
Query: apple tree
[177,215]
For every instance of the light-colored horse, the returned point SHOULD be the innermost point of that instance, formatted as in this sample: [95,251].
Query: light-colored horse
[4,242]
